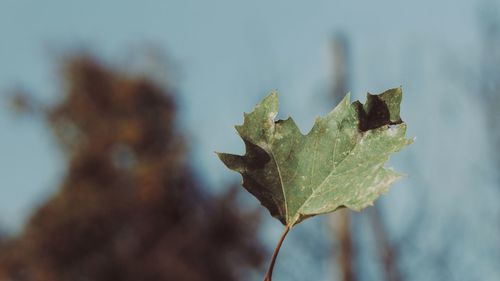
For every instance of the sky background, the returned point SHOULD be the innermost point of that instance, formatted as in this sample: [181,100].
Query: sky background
[227,55]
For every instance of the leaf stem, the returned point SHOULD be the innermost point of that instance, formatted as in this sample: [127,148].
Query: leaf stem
[269,274]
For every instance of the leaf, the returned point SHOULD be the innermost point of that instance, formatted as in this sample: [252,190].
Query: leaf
[339,163]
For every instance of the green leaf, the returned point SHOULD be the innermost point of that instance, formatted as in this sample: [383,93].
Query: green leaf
[339,163]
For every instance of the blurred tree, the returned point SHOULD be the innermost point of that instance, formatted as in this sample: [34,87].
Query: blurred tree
[341,67]
[489,73]
[346,256]
[2,237]
[489,82]
[341,75]
[387,251]
[128,208]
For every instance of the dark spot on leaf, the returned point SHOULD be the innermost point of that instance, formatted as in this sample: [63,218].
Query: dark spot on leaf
[374,114]
[255,157]
[267,198]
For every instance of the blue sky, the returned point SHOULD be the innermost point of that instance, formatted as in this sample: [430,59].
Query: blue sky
[229,55]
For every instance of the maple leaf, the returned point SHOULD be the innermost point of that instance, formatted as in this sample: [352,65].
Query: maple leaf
[339,163]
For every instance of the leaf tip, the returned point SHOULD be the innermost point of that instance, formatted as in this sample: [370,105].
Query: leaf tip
[347,97]
[233,162]
[274,93]
[271,98]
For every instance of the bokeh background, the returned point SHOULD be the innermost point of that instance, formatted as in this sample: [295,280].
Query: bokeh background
[110,112]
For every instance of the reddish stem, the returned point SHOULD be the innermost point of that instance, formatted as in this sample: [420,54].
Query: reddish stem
[269,274]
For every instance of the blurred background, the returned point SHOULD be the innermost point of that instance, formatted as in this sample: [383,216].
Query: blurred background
[110,112]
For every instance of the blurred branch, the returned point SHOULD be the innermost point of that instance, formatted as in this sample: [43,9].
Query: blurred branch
[346,255]
[387,251]
[23,103]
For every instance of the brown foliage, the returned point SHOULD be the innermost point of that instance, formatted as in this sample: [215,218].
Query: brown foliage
[128,208]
